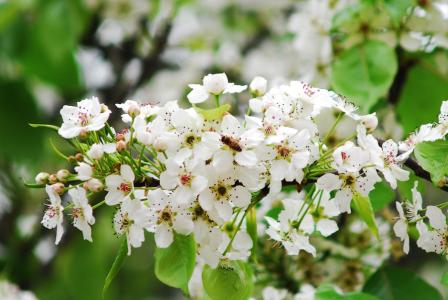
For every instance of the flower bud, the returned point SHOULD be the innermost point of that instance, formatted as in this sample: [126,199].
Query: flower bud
[215,83]
[79,157]
[71,159]
[160,144]
[96,151]
[58,188]
[42,178]
[370,122]
[120,137]
[83,134]
[52,179]
[258,86]
[94,185]
[62,175]
[134,110]
[121,145]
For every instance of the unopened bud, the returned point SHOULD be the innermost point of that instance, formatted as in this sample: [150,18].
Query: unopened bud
[258,86]
[58,188]
[83,134]
[52,179]
[42,178]
[71,159]
[62,175]
[121,145]
[94,185]
[134,110]
[370,122]
[79,157]
[96,151]
[160,144]
[120,137]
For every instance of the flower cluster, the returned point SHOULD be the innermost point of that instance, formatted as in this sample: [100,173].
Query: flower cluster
[202,172]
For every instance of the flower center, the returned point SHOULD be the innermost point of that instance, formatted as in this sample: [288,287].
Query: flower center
[125,187]
[185,179]
[283,151]
[83,119]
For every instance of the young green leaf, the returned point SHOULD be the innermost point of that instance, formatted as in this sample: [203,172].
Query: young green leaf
[444,279]
[116,266]
[232,280]
[433,157]
[381,196]
[327,292]
[214,113]
[364,73]
[364,209]
[174,265]
[391,283]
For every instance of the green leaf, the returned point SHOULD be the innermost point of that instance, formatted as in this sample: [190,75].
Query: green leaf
[424,89]
[398,9]
[444,279]
[364,209]
[17,138]
[391,283]
[381,196]
[433,157]
[364,73]
[327,292]
[116,266]
[231,280]
[174,265]
[214,113]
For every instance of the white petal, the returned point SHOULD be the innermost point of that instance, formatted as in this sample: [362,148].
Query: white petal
[327,227]
[240,196]
[198,94]
[163,236]
[436,217]
[126,173]
[246,158]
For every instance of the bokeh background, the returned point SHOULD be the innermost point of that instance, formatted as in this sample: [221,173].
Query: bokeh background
[56,52]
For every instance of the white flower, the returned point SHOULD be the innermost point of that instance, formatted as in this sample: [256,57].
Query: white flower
[236,145]
[54,216]
[167,216]
[425,133]
[258,86]
[212,242]
[213,84]
[82,212]
[241,246]
[323,213]
[88,115]
[84,170]
[349,184]
[119,186]
[97,151]
[349,158]
[293,237]
[222,195]
[401,227]
[434,240]
[306,292]
[131,219]
[271,293]
[184,179]
[386,158]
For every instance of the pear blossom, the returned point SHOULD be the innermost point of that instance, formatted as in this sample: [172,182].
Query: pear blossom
[166,216]
[258,86]
[401,227]
[294,238]
[132,219]
[221,195]
[119,186]
[54,216]
[435,238]
[88,115]
[97,151]
[271,293]
[82,212]
[213,84]
[84,170]
[307,292]
[241,246]
[184,179]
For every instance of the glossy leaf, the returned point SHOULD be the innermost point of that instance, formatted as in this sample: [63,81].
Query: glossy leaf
[232,280]
[433,157]
[174,265]
[364,73]
[364,209]
[391,283]
[326,292]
